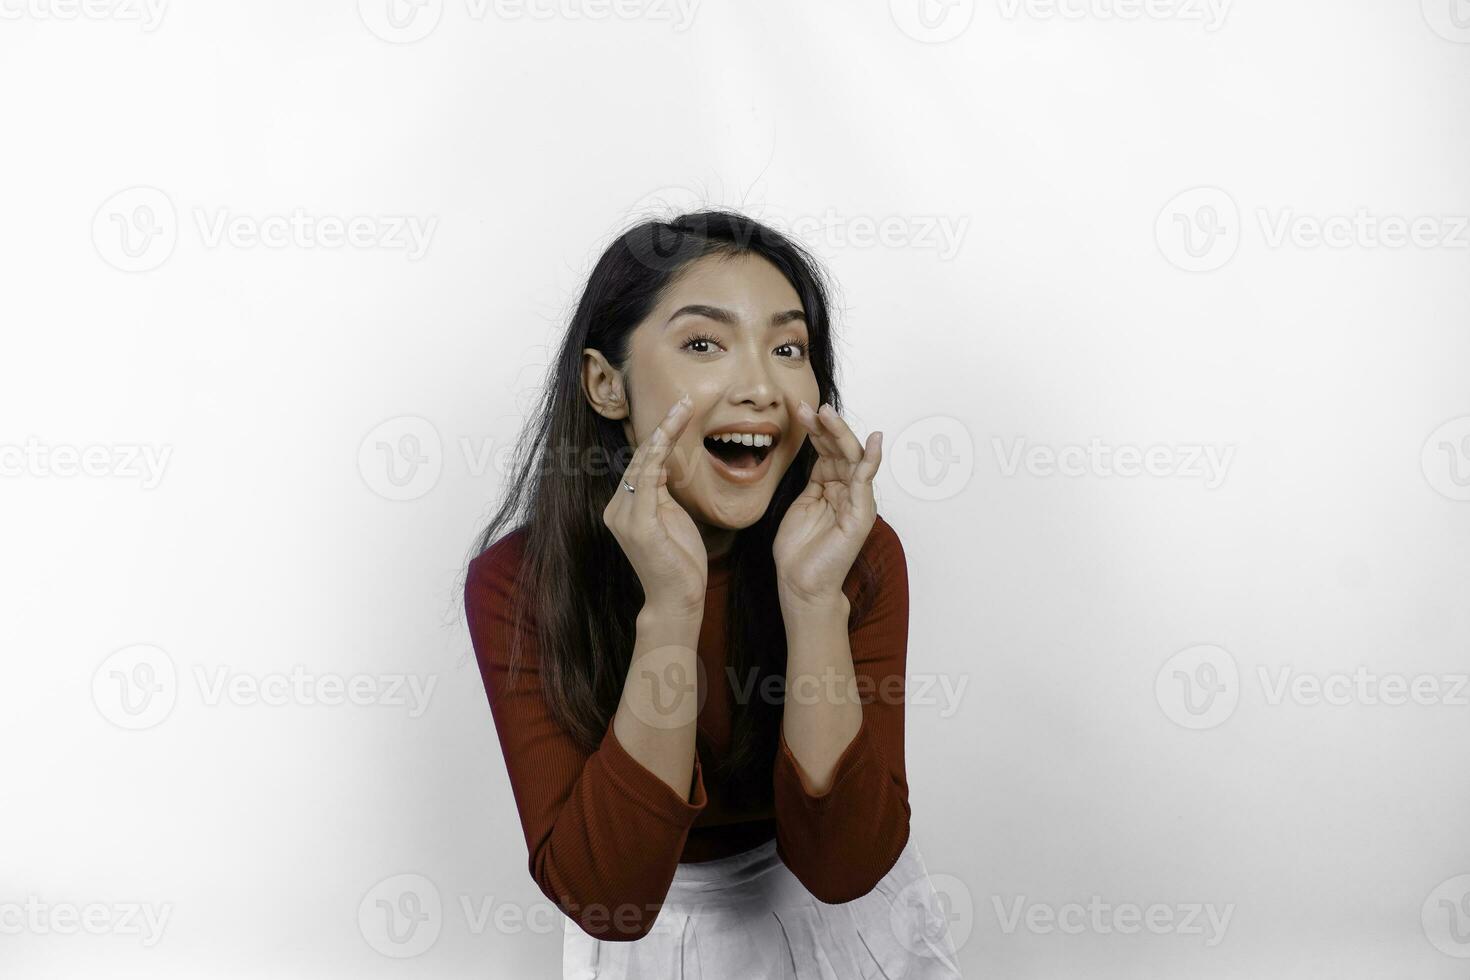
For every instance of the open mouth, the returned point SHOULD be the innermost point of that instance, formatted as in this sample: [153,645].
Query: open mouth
[736,461]
[736,455]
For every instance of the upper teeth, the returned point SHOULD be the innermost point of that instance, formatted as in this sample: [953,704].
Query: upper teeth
[744,438]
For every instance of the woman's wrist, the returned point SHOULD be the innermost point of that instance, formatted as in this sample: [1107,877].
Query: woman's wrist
[670,614]
[795,603]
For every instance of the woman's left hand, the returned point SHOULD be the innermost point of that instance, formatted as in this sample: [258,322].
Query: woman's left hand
[825,527]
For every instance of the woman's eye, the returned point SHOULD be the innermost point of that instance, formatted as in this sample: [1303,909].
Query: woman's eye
[797,345]
[698,339]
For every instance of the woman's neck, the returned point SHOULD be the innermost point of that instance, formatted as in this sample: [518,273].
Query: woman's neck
[717,540]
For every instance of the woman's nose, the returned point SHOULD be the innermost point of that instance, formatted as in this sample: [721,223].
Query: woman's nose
[753,381]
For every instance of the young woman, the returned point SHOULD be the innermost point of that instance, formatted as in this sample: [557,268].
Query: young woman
[694,639]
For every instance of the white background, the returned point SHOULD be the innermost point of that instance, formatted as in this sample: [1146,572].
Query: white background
[1116,186]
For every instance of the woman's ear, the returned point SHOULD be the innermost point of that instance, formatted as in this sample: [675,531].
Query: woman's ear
[603,385]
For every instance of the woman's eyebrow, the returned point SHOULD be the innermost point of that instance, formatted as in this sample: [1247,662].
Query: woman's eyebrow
[726,317]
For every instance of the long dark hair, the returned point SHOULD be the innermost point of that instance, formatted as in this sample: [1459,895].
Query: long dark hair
[574,579]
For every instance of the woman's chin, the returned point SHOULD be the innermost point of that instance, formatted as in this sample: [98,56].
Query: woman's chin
[717,501]
[732,512]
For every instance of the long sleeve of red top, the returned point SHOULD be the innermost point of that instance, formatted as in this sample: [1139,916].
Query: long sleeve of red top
[605,835]
[842,842]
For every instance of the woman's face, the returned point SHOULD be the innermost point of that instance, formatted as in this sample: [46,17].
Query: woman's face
[732,333]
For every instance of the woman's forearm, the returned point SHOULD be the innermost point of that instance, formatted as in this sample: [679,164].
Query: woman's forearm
[657,717]
[822,712]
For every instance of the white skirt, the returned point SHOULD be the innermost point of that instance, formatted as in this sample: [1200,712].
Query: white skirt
[747,917]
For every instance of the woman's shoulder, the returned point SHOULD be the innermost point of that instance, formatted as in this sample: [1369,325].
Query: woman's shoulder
[491,604]
[499,564]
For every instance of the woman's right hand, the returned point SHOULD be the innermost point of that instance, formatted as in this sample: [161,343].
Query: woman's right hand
[654,530]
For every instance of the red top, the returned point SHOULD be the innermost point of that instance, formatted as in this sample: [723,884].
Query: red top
[605,834]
